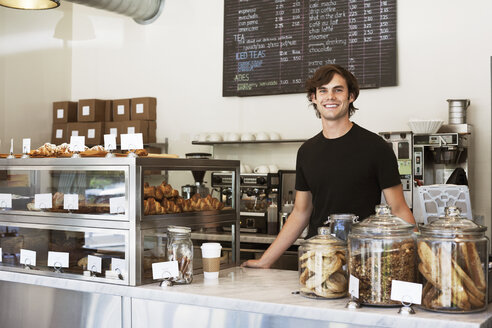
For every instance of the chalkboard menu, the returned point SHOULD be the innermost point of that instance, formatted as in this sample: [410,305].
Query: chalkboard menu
[273,46]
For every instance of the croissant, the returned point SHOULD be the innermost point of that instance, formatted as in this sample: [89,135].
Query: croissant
[149,192]
[187,206]
[146,207]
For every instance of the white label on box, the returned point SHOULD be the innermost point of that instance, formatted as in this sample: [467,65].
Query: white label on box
[86,110]
[130,130]
[118,265]
[117,205]
[94,263]
[58,259]
[139,108]
[406,292]
[354,286]
[59,113]
[1,254]
[77,143]
[5,200]
[121,109]
[43,200]
[91,133]
[75,133]
[109,141]
[161,270]
[113,131]
[27,257]
[71,202]
[26,145]
[131,141]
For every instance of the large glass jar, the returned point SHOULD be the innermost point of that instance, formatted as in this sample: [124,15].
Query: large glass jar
[381,249]
[453,260]
[180,248]
[322,266]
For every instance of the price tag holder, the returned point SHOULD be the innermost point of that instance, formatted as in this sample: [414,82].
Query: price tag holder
[406,292]
[26,144]
[59,113]
[110,141]
[77,143]
[139,108]
[58,259]
[43,200]
[91,133]
[27,257]
[5,200]
[354,286]
[118,265]
[117,205]
[71,202]
[59,133]
[86,110]
[131,141]
[121,109]
[94,263]
[161,270]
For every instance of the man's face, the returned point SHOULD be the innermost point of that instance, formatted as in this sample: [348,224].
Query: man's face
[333,99]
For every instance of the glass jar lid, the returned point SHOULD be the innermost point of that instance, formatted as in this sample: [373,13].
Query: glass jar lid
[452,223]
[178,229]
[382,222]
[323,238]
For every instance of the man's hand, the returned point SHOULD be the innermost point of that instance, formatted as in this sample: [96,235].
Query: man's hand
[254,264]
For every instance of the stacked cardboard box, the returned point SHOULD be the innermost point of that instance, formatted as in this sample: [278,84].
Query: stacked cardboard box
[93,118]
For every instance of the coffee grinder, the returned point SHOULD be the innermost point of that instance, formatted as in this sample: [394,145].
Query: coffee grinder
[198,175]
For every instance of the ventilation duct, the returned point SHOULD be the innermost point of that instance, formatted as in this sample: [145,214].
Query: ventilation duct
[142,11]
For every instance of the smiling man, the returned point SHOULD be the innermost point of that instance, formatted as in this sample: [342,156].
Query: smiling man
[343,169]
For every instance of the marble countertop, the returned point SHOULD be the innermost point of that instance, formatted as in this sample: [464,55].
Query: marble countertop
[266,292]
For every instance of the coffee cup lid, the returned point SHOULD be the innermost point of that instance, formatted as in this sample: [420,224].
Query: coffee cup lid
[211,246]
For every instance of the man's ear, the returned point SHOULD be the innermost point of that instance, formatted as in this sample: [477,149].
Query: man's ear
[313,97]
[351,97]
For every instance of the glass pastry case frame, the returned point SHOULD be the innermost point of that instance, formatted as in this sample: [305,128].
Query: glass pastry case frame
[134,222]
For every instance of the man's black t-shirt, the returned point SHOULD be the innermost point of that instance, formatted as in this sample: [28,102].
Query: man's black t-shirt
[346,174]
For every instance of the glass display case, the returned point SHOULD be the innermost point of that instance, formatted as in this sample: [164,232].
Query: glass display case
[105,219]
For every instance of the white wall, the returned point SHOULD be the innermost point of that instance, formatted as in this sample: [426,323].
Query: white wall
[444,52]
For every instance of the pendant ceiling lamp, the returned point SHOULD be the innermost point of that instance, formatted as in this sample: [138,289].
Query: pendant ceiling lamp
[30,4]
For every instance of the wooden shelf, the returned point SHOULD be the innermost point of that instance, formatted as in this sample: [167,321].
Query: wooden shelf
[247,142]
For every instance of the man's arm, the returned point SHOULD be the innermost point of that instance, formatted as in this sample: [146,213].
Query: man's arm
[292,229]
[394,197]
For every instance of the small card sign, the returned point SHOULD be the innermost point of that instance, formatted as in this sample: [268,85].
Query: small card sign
[5,200]
[94,263]
[27,257]
[43,200]
[77,143]
[121,109]
[26,144]
[118,265]
[354,286]
[139,108]
[59,113]
[117,205]
[167,269]
[407,292]
[131,141]
[110,141]
[71,202]
[58,259]
[86,110]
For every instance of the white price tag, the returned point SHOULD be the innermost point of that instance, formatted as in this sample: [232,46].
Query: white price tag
[86,110]
[117,205]
[109,141]
[75,133]
[94,263]
[43,200]
[59,113]
[118,265]
[131,141]
[27,257]
[113,131]
[130,130]
[26,145]
[407,292]
[59,133]
[139,108]
[167,269]
[58,259]
[77,143]
[5,200]
[121,109]
[91,133]
[354,286]
[1,254]
[71,202]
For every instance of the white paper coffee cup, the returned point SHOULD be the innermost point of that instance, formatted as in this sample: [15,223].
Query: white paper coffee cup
[210,250]
[211,260]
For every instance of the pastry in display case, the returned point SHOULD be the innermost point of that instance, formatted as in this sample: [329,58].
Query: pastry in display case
[453,264]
